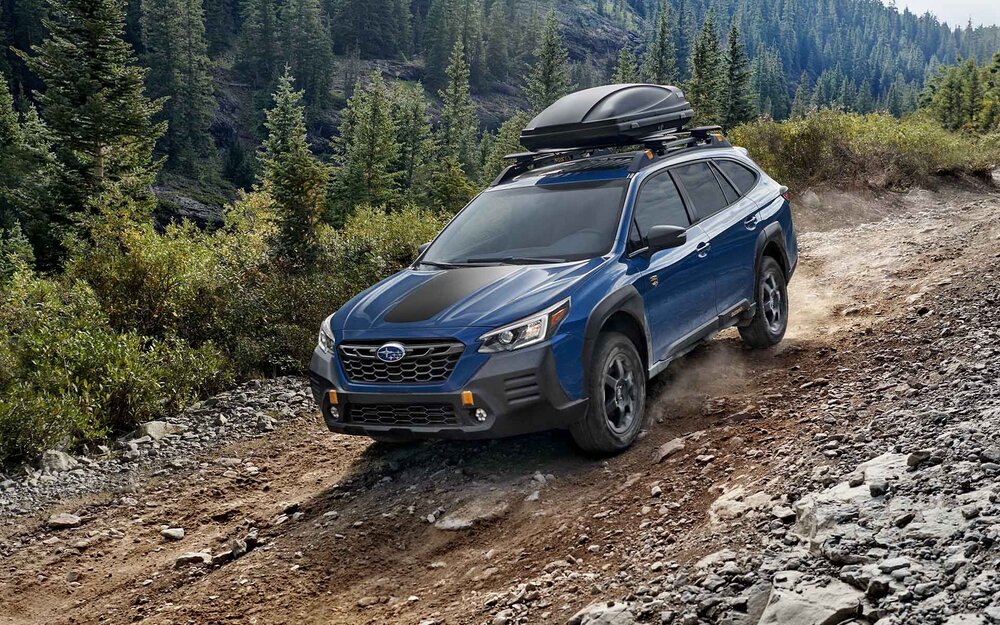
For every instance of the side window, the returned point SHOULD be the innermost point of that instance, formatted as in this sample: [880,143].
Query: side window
[702,188]
[659,204]
[727,187]
[741,176]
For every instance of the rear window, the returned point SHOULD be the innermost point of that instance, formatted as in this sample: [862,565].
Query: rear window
[743,177]
[702,187]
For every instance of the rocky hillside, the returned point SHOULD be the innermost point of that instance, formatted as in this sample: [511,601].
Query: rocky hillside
[850,476]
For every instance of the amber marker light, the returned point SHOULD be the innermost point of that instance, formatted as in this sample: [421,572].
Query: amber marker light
[557,316]
[467,399]
[332,395]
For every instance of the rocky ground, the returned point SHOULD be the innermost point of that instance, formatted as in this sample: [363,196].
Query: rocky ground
[851,475]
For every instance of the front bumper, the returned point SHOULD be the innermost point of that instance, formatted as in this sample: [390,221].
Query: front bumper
[520,392]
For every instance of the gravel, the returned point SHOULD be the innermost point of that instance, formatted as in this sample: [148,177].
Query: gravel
[251,410]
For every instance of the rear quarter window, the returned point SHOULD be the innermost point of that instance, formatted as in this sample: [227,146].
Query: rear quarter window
[702,188]
[741,176]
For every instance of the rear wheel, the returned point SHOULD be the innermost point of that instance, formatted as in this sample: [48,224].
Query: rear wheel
[771,317]
[617,392]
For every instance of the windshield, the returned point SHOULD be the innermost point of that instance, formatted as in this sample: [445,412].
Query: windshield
[553,223]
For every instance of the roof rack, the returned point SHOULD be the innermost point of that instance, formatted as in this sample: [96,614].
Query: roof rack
[662,144]
[655,147]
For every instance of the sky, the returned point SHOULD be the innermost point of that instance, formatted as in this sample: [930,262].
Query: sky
[956,12]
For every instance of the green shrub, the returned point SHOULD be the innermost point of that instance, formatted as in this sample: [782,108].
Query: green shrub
[878,149]
[69,377]
[183,282]
[279,314]
[226,289]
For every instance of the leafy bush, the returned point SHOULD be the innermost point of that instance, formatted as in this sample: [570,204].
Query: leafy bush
[227,288]
[279,314]
[183,282]
[875,149]
[69,378]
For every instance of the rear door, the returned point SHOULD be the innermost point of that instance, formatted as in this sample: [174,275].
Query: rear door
[729,220]
[677,284]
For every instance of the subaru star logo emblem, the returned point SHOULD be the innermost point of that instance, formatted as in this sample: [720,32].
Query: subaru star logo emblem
[391,352]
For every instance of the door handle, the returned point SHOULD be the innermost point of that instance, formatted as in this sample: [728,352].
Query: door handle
[703,248]
[750,222]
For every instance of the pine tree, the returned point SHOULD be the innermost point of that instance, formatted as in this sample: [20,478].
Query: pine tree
[413,135]
[626,69]
[439,41]
[737,100]
[177,56]
[306,48]
[221,18]
[803,97]
[26,170]
[377,28]
[865,103]
[706,89]
[258,53]
[294,179]
[549,78]
[660,65]
[769,85]
[448,189]
[507,141]
[947,100]
[498,41]
[682,35]
[94,103]
[459,126]
[989,113]
[366,151]
[584,75]
[469,18]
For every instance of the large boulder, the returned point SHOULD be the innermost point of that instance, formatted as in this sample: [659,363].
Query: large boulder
[54,461]
[158,430]
[475,512]
[800,600]
[604,613]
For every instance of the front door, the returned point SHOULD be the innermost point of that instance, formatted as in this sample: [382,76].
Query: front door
[677,285]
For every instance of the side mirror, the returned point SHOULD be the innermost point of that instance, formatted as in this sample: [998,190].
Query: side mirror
[422,247]
[665,237]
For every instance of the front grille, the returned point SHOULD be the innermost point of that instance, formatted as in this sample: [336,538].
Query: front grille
[424,363]
[402,414]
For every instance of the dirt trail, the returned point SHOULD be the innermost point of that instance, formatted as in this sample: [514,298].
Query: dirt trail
[350,532]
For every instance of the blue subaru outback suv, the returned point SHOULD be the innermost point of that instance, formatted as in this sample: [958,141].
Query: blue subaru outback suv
[550,300]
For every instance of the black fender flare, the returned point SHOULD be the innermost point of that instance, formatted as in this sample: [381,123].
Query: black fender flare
[772,233]
[626,299]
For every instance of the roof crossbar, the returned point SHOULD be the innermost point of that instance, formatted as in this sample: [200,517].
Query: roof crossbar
[654,146]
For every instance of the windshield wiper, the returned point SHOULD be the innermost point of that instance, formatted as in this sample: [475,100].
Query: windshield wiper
[438,265]
[518,260]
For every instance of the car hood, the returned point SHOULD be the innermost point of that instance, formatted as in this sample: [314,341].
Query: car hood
[463,297]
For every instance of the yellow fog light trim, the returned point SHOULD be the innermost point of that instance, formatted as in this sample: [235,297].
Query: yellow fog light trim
[332,395]
[467,398]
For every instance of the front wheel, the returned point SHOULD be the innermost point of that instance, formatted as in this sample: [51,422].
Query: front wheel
[617,391]
[770,320]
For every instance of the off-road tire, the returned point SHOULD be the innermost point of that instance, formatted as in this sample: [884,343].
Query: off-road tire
[617,391]
[770,319]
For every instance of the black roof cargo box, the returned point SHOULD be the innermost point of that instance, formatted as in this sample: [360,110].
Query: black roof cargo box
[607,116]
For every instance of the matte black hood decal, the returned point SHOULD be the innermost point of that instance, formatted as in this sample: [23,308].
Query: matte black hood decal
[442,291]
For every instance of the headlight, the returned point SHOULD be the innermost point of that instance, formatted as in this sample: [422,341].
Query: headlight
[326,342]
[530,331]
